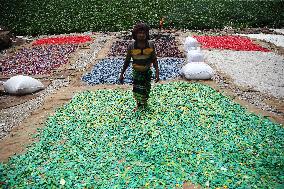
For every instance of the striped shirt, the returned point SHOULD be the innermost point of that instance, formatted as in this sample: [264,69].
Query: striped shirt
[142,58]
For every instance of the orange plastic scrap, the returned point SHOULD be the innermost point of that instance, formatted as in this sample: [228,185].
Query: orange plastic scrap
[161,23]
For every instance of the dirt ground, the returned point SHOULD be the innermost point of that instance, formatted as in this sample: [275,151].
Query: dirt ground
[22,135]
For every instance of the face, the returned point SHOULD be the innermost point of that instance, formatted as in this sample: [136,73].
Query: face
[141,35]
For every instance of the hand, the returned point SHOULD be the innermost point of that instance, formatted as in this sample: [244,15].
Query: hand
[157,79]
[120,79]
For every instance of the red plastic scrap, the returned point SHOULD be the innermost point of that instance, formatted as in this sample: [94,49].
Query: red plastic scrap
[63,40]
[237,43]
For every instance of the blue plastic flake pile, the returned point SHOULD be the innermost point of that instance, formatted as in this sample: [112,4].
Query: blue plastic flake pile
[107,71]
[37,60]
[164,48]
[189,133]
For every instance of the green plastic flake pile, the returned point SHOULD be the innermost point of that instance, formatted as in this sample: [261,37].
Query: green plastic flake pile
[189,133]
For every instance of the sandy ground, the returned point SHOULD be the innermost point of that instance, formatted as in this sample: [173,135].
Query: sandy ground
[22,135]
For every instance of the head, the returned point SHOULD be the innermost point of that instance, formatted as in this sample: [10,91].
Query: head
[140,32]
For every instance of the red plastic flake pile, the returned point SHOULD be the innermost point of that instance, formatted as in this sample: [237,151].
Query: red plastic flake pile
[63,40]
[164,48]
[37,60]
[237,43]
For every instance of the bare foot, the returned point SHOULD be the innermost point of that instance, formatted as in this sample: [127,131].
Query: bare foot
[135,109]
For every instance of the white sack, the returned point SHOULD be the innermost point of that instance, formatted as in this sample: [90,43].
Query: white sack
[19,85]
[194,56]
[190,44]
[197,70]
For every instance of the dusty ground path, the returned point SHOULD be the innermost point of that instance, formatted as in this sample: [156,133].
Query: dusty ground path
[22,135]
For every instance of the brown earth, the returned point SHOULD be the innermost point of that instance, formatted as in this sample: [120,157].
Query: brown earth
[22,135]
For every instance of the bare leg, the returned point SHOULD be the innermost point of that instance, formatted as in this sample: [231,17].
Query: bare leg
[144,105]
[138,105]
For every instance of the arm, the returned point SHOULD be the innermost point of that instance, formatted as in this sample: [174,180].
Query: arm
[125,66]
[155,62]
[156,66]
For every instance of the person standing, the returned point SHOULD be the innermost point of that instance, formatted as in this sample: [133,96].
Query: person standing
[142,52]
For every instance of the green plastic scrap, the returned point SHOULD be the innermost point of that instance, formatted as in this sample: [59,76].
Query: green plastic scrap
[189,132]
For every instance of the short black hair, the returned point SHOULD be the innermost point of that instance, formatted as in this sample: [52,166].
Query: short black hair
[140,27]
